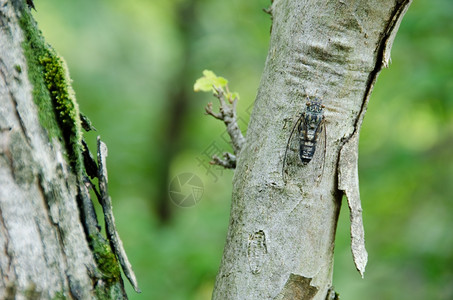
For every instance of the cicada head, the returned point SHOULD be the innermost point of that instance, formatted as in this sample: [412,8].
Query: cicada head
[314,106]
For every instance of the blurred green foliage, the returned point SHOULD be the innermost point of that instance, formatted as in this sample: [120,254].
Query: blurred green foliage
[134,64]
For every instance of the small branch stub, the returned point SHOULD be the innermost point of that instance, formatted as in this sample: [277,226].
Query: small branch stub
[228,163]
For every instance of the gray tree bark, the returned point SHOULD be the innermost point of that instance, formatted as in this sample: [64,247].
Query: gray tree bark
[280,240]
[50,242]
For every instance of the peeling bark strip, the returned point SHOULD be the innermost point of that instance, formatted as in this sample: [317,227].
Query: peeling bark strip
[329,49]
[110,226]
[348,178]
[348,181]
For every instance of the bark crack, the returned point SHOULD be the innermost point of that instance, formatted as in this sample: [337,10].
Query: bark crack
[382,58]
[57,231]
[15,104]
[6,241]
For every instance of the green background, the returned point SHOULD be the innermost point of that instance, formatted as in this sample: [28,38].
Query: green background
[134,64]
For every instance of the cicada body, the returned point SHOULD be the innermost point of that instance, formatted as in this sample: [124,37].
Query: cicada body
[309,126]
[309,129]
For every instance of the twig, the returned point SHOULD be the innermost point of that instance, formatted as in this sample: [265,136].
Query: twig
[227,113]
[209,111]
[228,163]
[268,11]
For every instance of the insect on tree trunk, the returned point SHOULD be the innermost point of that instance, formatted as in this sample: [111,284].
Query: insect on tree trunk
[281,234]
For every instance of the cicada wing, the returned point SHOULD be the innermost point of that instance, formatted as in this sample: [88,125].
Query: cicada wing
[288,144]
[322,149]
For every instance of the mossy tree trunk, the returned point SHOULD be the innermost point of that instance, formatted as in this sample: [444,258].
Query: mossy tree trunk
[50,243]
[281,234]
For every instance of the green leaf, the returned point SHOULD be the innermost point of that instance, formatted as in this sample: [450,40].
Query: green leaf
[234,95]
[209,81]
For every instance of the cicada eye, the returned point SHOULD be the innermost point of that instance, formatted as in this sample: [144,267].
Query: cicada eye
[323,106]
[308,103]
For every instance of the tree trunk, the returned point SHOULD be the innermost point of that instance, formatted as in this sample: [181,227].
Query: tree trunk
[49,237]
[281,234]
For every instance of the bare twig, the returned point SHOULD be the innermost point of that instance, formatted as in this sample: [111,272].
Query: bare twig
[228,163]
[268,11]
[227,113]
[209,111]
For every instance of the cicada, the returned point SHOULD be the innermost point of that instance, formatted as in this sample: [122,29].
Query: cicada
[309,126]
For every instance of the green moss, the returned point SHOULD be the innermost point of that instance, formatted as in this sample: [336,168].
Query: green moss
[56,78]
[52,92]
[114,292]
[109,269]
[106,260]
[59,115]
[34,47]
[31,292]
[59,296]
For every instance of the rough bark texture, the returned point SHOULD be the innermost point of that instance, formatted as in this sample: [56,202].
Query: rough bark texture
[50,244]
[281,234]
